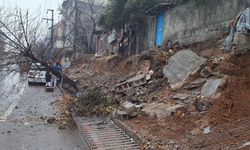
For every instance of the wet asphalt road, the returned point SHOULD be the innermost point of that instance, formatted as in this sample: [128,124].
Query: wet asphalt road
[21,126]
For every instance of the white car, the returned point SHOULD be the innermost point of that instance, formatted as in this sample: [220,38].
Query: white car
[36,73]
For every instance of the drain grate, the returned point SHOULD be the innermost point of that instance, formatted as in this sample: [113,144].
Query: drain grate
[104,134]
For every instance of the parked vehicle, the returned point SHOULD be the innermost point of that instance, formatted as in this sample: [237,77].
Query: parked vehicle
[36,73]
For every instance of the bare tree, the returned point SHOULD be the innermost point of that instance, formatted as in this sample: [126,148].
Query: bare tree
[20,35]
[80,22]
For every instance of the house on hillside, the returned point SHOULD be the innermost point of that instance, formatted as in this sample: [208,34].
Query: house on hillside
[186,22]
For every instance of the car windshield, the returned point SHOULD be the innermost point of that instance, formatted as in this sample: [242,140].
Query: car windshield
[37,67]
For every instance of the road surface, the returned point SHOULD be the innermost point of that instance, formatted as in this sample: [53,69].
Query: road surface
[21,126]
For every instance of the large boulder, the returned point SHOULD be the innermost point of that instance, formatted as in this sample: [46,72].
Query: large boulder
[181,66]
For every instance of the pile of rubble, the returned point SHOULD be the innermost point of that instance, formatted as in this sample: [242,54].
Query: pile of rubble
[185,91]
[194,87]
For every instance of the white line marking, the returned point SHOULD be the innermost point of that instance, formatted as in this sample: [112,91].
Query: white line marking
[5,116]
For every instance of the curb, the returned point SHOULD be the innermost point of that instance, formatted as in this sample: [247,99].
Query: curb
[81,132]
[128,131]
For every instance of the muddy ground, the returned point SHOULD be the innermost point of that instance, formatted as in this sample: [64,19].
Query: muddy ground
[227,117]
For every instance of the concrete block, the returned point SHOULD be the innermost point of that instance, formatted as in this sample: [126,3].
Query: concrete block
[211,87]
[241,42]
[181,66]
[206,72]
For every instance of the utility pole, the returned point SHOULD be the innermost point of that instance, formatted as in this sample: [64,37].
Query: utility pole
[52,31]
[75,29]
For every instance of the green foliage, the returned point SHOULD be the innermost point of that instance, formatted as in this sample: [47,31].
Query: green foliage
[94,103]
[126,12]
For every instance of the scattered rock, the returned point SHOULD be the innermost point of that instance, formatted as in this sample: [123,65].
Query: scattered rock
[51,120]
[211,87]
[245,145]
[136,81]
[207,130]
[200,106]
[149,74]
[195,131]
[182,96]
[61,127]
[181,66]
[160,110]
[241,42]
[131,92]
[206,72]
[43,117]
[130,109]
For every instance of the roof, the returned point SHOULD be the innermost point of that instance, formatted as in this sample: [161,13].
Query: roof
[156,9]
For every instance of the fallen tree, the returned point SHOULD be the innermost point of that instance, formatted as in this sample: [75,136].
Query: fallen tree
[20,34]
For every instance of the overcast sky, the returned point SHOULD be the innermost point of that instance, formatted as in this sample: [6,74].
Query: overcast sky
[37,7]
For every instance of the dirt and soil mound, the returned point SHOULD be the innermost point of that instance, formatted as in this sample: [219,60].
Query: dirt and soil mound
[235,100]
[183,127]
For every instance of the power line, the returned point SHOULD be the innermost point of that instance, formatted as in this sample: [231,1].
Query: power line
[52,31]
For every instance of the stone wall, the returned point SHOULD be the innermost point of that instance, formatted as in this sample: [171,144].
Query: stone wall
[188,23]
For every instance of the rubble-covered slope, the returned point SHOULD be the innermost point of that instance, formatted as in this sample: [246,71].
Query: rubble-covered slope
[214,122]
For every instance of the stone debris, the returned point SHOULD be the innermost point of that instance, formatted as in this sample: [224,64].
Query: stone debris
[200,106]
[43,117]
[241,43]
[180,66]
[131,91]
[130,109]
[196,83]
[160,110]
[61,127]
[207,130]
[245,145]
[136,81]
[211,87]
[51,119]
[206,72]
[127,109]
[182,96]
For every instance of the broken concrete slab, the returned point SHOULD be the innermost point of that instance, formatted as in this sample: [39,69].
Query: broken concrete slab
[211,87]
[130,109]
[136,81]
[160,110]
[131,91]
[200,106]
[241,43]
[180,66]
[196,83]
[182,96]
[206,72]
